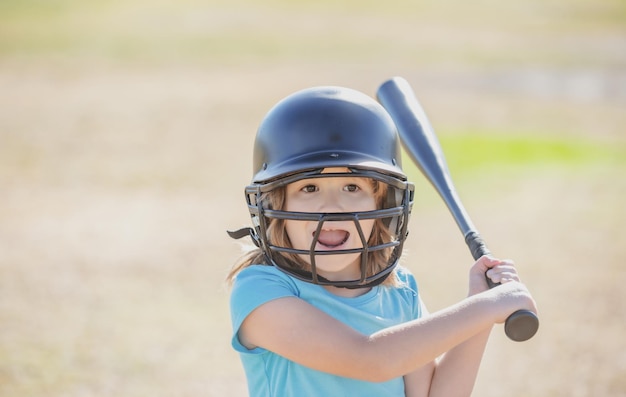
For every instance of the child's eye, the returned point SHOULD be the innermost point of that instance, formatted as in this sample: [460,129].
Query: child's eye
[352,188]
[309,189]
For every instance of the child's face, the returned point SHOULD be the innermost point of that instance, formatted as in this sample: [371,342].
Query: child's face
[331,195]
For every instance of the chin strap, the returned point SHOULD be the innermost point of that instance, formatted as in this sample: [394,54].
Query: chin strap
[245,232]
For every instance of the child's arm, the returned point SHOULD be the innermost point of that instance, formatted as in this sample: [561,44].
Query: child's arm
[453,377]
[456,371]
[298,331]
[417,383]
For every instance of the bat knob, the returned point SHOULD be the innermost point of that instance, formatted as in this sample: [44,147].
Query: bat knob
[521,325]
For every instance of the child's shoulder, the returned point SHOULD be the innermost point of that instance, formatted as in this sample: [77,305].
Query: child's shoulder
[406,278]
[256,284]
[404,274]
[260,271]
[260,276]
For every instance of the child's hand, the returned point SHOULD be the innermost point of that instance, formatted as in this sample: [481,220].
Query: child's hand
[511,296]
[499,271]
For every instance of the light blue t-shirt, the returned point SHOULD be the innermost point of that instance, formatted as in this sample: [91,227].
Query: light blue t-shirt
[271,375]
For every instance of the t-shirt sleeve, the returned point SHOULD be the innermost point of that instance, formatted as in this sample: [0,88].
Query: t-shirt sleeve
[253,287]
[412,291]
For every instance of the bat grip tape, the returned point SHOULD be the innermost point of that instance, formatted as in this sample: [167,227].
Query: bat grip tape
[478,248]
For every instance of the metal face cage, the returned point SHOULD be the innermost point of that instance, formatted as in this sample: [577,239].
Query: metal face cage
[394,215]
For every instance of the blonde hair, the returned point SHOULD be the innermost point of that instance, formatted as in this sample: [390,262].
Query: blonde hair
[377,260]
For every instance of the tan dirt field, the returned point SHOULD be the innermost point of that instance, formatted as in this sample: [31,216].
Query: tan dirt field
[121,170]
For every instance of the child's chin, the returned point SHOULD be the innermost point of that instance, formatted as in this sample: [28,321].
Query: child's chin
[336,265]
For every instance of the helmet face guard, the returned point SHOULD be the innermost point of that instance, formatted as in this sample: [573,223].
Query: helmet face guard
[394,216]
[307,132]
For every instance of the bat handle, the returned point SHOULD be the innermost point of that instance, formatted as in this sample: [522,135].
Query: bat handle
[522,324]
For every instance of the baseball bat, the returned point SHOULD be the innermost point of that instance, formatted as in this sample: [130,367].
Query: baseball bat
[422,145]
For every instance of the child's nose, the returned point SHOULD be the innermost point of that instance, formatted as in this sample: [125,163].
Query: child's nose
[331,202]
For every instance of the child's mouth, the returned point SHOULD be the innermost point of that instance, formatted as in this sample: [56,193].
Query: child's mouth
[333,238]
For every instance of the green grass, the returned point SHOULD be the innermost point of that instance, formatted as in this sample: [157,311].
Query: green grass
[493,155]
[475,151]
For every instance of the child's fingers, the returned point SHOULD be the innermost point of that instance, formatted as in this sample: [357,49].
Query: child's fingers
[503,277]
[503,272]
[497,270]
[488,262]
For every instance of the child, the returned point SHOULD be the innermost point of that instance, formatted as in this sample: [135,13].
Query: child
[321,306]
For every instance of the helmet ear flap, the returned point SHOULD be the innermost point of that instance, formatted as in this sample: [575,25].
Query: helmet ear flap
[394,198]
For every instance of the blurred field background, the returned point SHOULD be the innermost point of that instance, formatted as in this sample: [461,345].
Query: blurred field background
[126,133]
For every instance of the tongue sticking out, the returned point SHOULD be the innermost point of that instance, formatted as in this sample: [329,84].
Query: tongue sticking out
[333,238]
